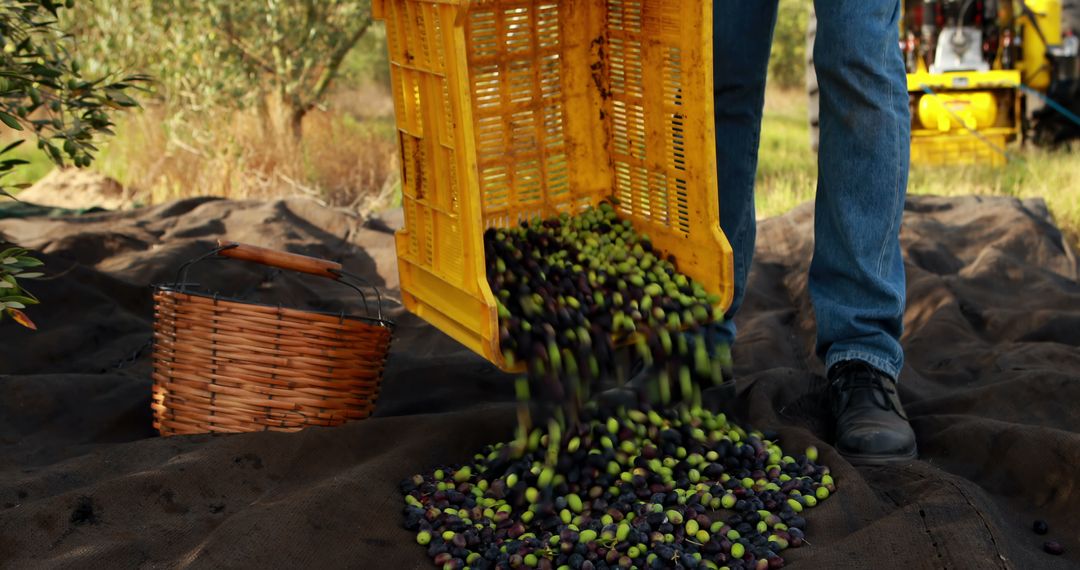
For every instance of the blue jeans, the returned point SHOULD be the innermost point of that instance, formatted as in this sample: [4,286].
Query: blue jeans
[856,277]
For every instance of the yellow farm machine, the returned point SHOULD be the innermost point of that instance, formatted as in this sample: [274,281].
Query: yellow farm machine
[983,74]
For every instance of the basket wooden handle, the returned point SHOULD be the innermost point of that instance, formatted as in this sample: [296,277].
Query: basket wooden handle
[280,259]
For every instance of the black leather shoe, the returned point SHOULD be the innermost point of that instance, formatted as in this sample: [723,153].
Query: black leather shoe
[871,426]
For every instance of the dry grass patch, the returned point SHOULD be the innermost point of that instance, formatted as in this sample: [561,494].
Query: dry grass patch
[341,160]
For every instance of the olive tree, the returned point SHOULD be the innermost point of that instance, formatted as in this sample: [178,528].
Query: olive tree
[231,53]
[44,95]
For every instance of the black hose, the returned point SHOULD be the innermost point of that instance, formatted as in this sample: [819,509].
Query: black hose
[963,11]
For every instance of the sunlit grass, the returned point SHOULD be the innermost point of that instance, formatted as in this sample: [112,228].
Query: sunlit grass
[1050,175]
[787,167]
[38,164]
[347,157]
[787,170]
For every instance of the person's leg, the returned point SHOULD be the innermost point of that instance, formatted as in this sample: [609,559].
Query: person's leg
[742,39]
[857,274]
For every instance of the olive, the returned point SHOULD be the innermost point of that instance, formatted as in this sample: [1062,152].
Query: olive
[1040,527]
[646,480]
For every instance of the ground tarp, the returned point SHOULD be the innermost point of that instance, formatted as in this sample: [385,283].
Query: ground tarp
[992,386]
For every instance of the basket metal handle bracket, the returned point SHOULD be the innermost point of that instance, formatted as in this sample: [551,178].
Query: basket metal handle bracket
[181,281]
[345,277]
[286,261]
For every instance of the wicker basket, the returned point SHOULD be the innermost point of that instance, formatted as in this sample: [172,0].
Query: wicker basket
[229,365]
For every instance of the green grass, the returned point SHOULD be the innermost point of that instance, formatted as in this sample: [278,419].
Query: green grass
[39,165]
[787,166]
[787,170]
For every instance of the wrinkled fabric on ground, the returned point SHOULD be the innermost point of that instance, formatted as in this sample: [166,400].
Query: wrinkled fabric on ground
[991,383]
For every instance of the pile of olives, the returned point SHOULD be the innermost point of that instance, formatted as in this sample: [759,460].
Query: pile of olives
[657,483]
[675,488]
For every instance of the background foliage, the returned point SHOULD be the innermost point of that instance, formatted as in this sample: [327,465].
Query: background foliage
[44,91]
[253,98]
[45,94]
[225,53]
[204,134]
[787,62]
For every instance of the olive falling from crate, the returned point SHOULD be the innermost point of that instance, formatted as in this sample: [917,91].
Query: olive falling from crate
[510,110]
[568,288]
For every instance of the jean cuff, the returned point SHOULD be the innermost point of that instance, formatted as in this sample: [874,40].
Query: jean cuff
[882,364]
[722,333]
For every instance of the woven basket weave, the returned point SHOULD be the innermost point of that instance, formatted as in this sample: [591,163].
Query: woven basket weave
[226,365]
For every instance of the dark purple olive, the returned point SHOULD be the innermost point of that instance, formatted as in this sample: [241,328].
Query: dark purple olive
[1054,548]
[1040,527]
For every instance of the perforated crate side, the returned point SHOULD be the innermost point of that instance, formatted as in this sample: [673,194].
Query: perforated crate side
[535,107]
[658,64]
[510,109]
[440,249]
[582,100]
[958,149]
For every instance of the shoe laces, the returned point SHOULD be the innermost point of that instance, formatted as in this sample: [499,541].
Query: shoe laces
[858,376]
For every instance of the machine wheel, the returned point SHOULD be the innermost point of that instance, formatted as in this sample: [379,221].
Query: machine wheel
[812,94]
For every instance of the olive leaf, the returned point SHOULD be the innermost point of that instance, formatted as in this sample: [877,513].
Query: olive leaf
[26,262]
[25,298]
[21,318]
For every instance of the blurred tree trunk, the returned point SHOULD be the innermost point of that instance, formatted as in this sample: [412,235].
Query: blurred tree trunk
[266,119]
[298,101]
[298,55]
[280,57]
[296,123]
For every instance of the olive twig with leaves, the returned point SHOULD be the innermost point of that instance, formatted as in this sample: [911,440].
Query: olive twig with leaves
[14,264]
[43,91]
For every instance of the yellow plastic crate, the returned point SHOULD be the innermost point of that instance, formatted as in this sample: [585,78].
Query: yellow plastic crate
[511,109]
[957,149]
